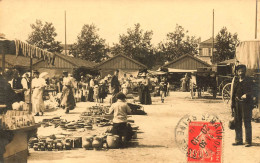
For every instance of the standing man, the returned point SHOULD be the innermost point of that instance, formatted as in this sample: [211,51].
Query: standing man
[242,105]
[16,84]
[115,85]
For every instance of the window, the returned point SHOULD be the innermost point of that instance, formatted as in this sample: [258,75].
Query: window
[205,51]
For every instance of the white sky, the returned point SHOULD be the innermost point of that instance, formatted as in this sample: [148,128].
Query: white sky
[113,17]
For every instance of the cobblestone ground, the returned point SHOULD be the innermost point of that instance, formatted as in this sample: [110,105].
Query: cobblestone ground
[156,138]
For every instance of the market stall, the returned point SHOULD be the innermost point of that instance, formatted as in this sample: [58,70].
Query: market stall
[17,126]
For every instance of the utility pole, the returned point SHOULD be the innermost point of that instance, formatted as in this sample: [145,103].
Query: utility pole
[213,59]
[65,37]
[256,20]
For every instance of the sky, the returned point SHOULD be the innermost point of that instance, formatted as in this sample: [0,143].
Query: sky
[113,17]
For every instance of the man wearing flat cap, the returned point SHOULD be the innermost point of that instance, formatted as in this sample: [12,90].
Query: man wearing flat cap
[242,105]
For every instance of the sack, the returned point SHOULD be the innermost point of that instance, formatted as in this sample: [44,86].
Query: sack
[231,124]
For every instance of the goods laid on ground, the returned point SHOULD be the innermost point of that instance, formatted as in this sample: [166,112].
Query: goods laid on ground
[91,131]
[137,109]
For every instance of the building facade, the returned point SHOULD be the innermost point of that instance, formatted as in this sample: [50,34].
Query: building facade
[119,62]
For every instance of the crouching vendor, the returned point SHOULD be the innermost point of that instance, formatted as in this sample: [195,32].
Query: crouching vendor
[7,94]
[120,109]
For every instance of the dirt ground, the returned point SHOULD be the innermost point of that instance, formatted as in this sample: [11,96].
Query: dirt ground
[156,137]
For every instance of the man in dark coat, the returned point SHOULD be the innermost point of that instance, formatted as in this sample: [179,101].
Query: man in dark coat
[242,105]
[115,85]
[7,94]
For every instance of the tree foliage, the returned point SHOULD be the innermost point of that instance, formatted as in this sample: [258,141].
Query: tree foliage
[136,44]
[43,36]
[225,46]
[89,45]
[178,43]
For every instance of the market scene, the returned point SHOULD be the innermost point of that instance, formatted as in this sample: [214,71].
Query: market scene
[193,100]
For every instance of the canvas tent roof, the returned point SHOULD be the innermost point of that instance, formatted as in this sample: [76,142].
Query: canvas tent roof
[248,53]
[179,70]
[19,48]
[19,61]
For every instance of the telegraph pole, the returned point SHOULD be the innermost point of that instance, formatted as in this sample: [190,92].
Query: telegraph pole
[256,21]
[213,59]
[65,37]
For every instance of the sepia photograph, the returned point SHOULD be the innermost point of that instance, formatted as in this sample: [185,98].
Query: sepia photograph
[117,81]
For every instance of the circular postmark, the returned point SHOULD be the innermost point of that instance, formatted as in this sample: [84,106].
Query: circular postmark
[200,137]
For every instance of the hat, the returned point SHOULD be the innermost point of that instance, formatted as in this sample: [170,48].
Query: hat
[65,72]
[36,72]
[240,66]
[121,96]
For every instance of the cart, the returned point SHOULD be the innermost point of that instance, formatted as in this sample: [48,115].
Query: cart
[247,53]
[204,79]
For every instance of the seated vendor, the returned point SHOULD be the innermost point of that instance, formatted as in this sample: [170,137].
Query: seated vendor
[7,95]
[120,109]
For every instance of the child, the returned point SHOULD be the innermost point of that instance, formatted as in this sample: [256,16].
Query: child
[102,91]
[124,88]
[162,91]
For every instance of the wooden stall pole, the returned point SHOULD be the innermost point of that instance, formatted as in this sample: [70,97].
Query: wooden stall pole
[3,62]
[30,95]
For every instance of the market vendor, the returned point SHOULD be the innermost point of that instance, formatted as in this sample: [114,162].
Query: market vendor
[16,84]
[7,94]
[120,109]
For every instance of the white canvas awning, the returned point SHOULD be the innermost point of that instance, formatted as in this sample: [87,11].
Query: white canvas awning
[248,53]
[180,70]
[156,72]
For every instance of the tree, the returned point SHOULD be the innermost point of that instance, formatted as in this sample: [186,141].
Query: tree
[225,46]
[178,43]
[89,45]
[43,36]
[136,44]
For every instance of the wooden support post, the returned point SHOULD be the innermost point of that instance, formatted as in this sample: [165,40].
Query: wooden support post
[30,95]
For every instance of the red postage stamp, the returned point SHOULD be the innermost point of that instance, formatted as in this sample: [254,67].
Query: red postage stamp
[204,142]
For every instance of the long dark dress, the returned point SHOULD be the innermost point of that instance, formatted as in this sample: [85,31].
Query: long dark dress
[17,84]
[145,95]
[67,97]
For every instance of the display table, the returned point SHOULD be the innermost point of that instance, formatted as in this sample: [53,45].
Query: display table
[14,144]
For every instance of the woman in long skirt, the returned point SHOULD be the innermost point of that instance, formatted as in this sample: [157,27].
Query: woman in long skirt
[67,97]
[146,97]
[38,85]
[91,90]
